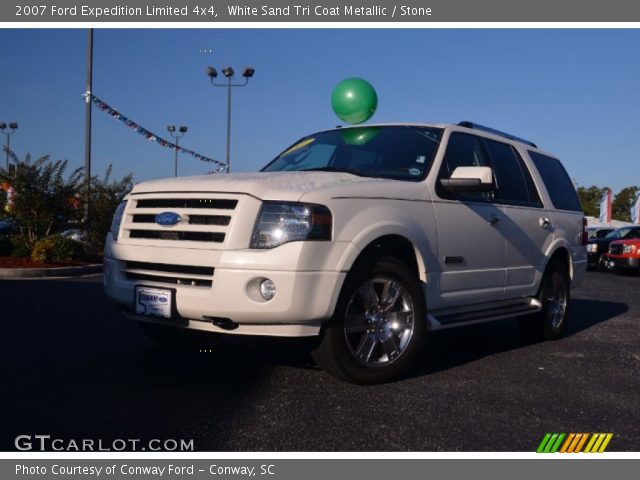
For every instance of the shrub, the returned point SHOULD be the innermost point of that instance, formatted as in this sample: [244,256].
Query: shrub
[44,200]
[19,247]
[5,246]
[57,249]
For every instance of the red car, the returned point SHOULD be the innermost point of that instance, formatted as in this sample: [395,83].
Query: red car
[624,255]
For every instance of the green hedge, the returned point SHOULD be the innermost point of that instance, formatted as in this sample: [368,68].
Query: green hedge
[57,249]
[19,247]
[14,246]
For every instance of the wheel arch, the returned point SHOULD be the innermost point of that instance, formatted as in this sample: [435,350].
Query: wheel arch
[394,245]
[561,253]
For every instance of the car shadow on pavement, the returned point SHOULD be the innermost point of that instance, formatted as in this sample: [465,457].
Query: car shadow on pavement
[454,347]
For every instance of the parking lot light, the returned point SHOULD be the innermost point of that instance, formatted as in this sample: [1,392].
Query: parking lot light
[228,72]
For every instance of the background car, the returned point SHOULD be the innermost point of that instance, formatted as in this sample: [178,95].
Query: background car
[624,255]
[7,226]
[598,248]
[599,232]
[75,234]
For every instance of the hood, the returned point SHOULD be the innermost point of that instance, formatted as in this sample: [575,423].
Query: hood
[626,241]
[288,186]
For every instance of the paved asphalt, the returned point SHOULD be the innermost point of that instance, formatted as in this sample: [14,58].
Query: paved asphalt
[72,367]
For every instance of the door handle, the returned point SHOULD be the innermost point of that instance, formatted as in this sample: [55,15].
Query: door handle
[494,219]
[545,222]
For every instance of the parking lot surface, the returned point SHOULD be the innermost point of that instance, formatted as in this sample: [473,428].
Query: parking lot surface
[72,367]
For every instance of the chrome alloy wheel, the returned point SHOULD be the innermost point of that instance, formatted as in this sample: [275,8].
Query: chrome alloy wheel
[557,299]
[379,321]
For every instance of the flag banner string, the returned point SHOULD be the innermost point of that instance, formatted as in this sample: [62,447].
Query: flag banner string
[115,114]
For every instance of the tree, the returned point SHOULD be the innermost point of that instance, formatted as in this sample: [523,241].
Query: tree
[43,202]
[106,194]
[590,199]
[622,203]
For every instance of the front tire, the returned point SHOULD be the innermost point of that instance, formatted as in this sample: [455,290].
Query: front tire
[378,328]
[550,322]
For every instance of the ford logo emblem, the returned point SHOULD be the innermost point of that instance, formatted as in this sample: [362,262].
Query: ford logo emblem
[168,218]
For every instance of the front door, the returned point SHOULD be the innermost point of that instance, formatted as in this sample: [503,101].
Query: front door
[471,243]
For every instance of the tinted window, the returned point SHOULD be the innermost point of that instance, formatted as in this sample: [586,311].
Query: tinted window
[463,150]
[513,182]
[402,152]
[561,190]
[629,233]
[602,233]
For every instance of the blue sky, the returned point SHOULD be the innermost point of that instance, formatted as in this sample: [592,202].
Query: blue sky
[573,92]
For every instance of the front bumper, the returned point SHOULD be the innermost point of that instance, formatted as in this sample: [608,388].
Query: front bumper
[303,299]
[624,263]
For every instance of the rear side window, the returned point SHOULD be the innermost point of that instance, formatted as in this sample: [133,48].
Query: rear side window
[513,181]
[561,190]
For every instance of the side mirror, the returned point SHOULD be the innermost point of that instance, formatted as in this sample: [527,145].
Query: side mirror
[469,180]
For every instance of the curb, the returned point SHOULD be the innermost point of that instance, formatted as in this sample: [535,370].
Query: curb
[50,272]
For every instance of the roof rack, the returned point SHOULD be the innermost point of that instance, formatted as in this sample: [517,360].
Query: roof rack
[482,128]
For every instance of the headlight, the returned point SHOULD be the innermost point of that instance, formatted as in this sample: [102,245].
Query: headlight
[117,220]
[592,247]
[629,249]
[282,222]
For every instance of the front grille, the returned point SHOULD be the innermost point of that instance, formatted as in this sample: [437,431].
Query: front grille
[203,220]
[178,235]
[220,204]
[165,267]
[192,219]
[615,249]
[187,275]
[193,282]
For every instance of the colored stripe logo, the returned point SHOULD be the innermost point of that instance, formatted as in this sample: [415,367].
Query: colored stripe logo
[574,443]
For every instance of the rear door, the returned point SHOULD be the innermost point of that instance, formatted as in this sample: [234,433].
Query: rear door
[526,227]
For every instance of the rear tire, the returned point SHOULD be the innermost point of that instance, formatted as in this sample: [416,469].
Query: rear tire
[378,328]
[550,322]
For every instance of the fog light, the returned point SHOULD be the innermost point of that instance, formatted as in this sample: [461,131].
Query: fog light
[267,289]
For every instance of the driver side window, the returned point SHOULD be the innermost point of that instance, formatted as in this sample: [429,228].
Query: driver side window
[463,150]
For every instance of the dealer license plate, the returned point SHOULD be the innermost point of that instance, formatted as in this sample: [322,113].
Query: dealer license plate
[153,301]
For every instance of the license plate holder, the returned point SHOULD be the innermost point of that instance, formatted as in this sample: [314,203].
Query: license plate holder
[154,301]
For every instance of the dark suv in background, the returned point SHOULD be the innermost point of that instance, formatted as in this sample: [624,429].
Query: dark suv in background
[597,248]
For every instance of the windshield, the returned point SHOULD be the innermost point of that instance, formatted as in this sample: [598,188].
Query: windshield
[625,232]
[614,234]
[396,152]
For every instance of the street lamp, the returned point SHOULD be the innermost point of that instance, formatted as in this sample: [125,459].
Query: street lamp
[228,72]
[176,136]
[13,126]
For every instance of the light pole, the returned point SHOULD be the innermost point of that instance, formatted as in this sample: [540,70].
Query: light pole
[176,136]
[228,72]
[87,130]
[13,127]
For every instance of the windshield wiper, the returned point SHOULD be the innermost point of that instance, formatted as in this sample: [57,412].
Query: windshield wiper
[342,170]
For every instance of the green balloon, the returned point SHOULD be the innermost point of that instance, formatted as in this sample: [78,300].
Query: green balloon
[354,100]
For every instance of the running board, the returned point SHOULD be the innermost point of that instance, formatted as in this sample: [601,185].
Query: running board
[458,317]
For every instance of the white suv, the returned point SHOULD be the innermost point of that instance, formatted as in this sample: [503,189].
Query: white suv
[367,237]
